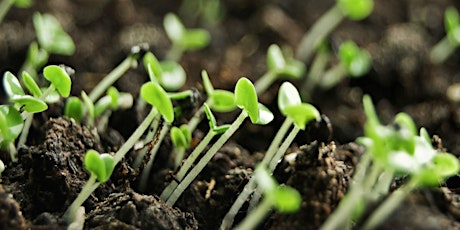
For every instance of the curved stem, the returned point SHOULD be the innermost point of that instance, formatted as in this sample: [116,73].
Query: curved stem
[85,192]
[442,50]
[255,217]
[264,82]
[149,137]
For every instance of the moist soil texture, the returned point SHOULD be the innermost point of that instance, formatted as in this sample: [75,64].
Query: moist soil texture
[35,191]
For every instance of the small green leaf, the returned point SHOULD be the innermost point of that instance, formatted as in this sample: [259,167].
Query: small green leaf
[11,123]
[51,36]
[265,115]
[102,105]
[452,24]
[212,121]
[246,98]
[74,109]
[59,78]
[29,103]
[155,95]
[288,96]
[287,199]
[275,58]
[293,70]
[265,182]
[152,66]
[88,104]
[194,39]
[114,95]
[109,165]
[178,138]
[424,134]
[207,85]
[174,27]
[302,114]
[356,9]
[222,100]
[101,165]
[187,134]
[356,60]
[173,76]
[52,97]
[36,56]
[11,85]
[31,85]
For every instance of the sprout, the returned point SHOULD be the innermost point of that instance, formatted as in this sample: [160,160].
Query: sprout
[51,36]
[11,125]
[74,109]
[444,48]
[180,138]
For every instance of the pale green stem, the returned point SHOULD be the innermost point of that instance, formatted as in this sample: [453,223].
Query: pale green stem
[314,75]
[13,152]
[196,119]
[175,53]
[442,50]
[264,82]
[389,205]
[255,217]
[333,76]
[227,222]
[148,167]
[149,137]
[5,6]
[86,191]
[113,76]
[187,165]
[206,158]
[179,156]
[135,136]
[318,32]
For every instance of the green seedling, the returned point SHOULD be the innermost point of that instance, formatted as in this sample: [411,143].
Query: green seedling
[208,12]
[351,9]
[52,39]
[183,39]
[446,47]
[318,67]
[11,125]
[283,199]
[354,62]
[246,99]
[296,113]
[279,66]
[391,150]
[214,130]
[6,5]
[181,138]
[169,74]
[74,109]
[100,167]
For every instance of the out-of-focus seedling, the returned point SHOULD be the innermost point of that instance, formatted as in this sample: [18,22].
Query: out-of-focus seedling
[279,66]
[351,9]
[11,124]
[209,12]
[283,199]
[444,48]
[5,6]
[183,39]
[169,74]
[246,99]
[100,167]
[181,138]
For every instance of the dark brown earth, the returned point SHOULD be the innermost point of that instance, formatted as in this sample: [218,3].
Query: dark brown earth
[35,192]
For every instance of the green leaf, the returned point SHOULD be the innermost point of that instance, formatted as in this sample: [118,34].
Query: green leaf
[356,9]
[155,95]
[187,134]
[11,123]
[59,78]
[302,114]
[443,166]
[11,85]
[51,36]
[222,100]
[88,104]
[424,134]
[114,95]
[246,98]
[174,27]
[31,85]
[288,96]
[207,85]
[451,20]
[287,199]
[29,103]
[74,109]
[275,58]
[22,3]
[101,165]
[173,76]
[194,39]
[294,69]
[356,60]
[109,164]
[265,115]
[178,138]
[152,66]
[212,121]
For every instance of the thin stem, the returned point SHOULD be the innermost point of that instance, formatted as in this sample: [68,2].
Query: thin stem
[264,82]
[389,205]
[333,76]
[135,136]
[113,76]
[282,150]
[5,6]
[196,119]
[146,171]
[322,27]
[149,137]
[442,50]
[187,165]
[86,191]
[175,53]
[274,146]
[314,75]
[206,158]
[255,217]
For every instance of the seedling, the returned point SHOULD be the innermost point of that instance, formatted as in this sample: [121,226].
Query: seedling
[183,39]
[354,62]
[74,109]
[351,9]
[100,167]
[6,5]
[391,150]
[209,12]
[279,66]
[284,199]
[246,99]
[296,113]
[169,74]
[180,138]
[446,47]
[11,124]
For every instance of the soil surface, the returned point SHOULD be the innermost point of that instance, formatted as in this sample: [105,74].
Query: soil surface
[36,191]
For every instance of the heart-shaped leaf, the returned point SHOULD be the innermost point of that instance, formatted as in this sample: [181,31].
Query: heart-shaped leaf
[288,96]
[11,85]
[101,165]
[155,95]
[302,114]
[173,75]
[246,98]
[222,100]
[74,109]
[31,85]
[11,123]
[59,78]
[29,103]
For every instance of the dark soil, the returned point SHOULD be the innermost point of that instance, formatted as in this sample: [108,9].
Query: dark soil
[35,192]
